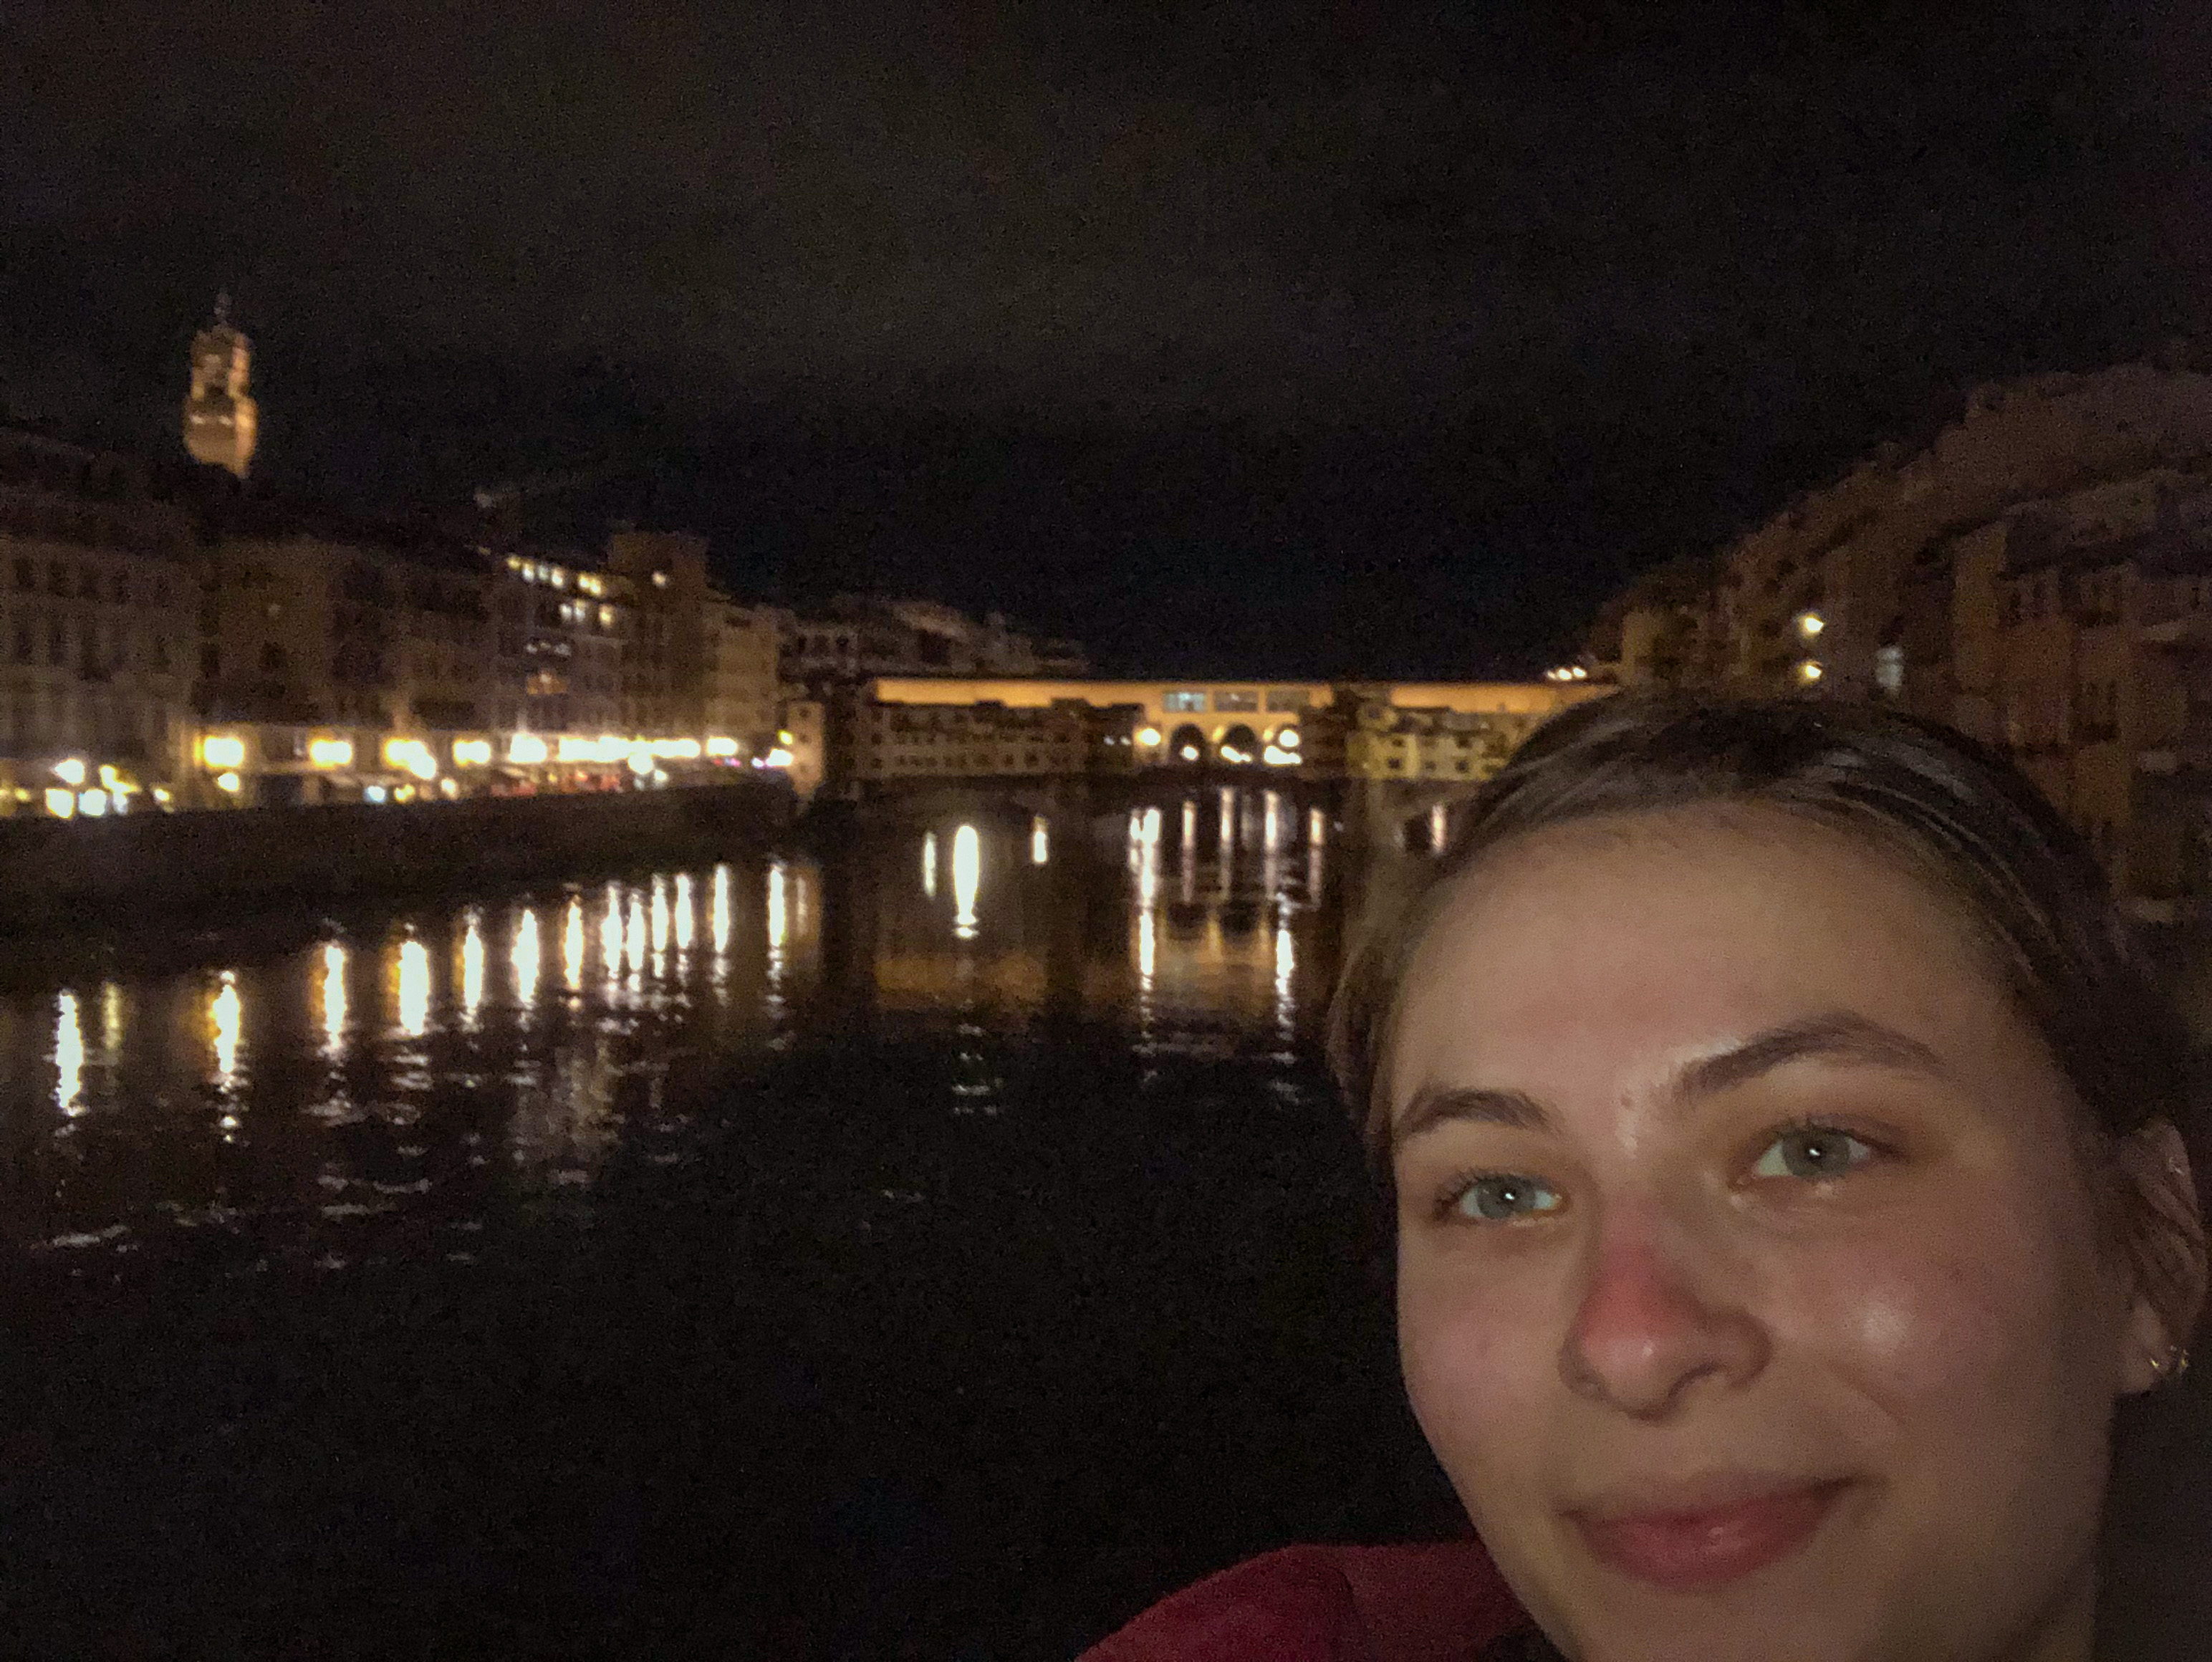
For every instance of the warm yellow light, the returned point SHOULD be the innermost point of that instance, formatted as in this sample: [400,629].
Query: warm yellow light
[1810,623]
[720,745]
[109,778]
[61,802]
[70,770]
[578,750]
[525,750]
[1148,736]
[161,796]
[784,737]
[640,762]
[472,752]
[330,752]
[1288,737]
[92,804]
[778,758]
[1809,672]
[228,783]
[966,879]
[222,750]
[682,749]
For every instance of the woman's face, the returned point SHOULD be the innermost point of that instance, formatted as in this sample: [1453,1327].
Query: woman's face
[1750,1289]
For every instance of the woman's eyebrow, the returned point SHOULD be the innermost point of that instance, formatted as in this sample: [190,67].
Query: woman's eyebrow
[1438,1104]
[1839,1036]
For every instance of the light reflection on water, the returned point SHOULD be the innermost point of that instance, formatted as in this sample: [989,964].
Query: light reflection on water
[388,1067]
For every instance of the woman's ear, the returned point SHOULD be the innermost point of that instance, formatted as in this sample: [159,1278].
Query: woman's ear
[2163,1229]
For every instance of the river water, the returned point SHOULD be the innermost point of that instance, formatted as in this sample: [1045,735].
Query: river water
[935,1243]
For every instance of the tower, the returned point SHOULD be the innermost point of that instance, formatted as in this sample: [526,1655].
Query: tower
[220,415]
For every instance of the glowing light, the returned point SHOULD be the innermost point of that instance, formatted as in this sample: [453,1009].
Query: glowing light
[718,917]
[1148,948]
[967,879]
[778,758]
[410,756]
[1228,823]
[333,989]
[414,1000]
[219,751]
[330,752]
[929,865]
[679,750]
[61,802]
[225,1017]
[685,920]
[70,770]
[68,1057]
[1810,623]
[523,958]
[472,752]
[228,783]
[1316,825]
[572,946]
[527,750]
[719,745]
[1148,737]
[1189,753]
[779,916]
[1809,672]
[93,804]
[472,970]
[640,763]
[373,794]
[1040,840]
[1288,737]
[634,936]
[659,915]
[111,1020]
[1439,828]
[1286,961]
[611,934]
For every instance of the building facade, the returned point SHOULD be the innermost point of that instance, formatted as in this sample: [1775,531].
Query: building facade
[97,589]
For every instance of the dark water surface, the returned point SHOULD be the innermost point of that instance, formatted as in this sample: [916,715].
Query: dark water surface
[935,1245]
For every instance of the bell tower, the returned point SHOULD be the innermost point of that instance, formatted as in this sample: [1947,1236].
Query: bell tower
[220,414]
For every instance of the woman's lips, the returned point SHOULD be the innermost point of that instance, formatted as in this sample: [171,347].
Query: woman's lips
[1686,1548]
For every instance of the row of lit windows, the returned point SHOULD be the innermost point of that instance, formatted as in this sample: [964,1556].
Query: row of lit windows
[1238,700]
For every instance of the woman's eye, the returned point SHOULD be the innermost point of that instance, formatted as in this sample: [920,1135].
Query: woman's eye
[1812,1153]
[1504,1199]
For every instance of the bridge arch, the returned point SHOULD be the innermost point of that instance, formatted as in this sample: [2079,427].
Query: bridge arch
[1240,745]
[1186,745]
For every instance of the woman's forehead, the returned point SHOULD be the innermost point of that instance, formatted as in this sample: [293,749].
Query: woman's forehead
[1674,930]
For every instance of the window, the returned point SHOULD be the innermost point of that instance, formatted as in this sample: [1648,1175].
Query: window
[1183,700]
[1289,698]
[1236,702]
[1889,669]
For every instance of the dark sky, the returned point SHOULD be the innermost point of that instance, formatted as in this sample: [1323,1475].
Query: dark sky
[1259,335]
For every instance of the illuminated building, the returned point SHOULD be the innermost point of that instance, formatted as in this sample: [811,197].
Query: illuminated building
[857,636]
[220,418]
[96,592]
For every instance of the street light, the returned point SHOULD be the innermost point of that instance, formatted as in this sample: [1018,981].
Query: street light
[1810,623]
[1809,672]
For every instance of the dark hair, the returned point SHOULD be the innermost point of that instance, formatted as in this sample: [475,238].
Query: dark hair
[1951,809]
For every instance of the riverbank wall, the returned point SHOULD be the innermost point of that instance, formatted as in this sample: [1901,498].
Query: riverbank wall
[58,874]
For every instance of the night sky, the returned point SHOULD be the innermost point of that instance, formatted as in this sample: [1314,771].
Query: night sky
[1254,337]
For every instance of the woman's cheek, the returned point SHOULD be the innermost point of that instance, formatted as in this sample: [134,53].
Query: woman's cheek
[1470,1351]
[1932,1320]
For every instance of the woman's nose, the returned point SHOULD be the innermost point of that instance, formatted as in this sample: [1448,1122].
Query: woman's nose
[1649,1327]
